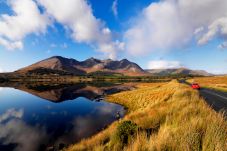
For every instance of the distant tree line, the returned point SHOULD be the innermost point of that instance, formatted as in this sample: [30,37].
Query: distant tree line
[42,74]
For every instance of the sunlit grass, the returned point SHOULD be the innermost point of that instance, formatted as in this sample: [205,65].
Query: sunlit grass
[169,116]
[218,83]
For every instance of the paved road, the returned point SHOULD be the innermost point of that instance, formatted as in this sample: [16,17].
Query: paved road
[216,99]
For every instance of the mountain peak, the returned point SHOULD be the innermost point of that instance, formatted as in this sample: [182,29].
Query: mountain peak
[125,60]
[92,59]
[59,57]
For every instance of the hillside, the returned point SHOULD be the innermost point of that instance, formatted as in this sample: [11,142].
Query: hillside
[61,65]
[177,71]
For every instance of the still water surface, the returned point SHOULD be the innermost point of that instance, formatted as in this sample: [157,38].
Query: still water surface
[42,118]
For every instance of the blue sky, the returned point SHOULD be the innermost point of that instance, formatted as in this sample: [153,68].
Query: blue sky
[154,34]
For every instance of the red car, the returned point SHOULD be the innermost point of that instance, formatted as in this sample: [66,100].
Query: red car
[195,86]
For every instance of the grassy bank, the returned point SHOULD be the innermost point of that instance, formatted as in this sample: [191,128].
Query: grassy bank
[161,116]
[217,83]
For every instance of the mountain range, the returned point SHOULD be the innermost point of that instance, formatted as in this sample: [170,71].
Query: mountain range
[60,65]
[91,65]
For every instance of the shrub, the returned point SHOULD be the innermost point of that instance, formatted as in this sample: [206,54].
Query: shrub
[125,131]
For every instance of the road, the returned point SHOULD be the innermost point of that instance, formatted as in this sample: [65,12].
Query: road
[216,99]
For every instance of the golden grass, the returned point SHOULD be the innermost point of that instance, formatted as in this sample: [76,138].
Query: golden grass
[218,82]
[171,117]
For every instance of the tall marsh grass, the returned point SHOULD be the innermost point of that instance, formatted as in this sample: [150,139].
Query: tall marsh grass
[170,117]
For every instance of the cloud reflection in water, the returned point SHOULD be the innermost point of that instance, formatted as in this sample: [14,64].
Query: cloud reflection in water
[13,130]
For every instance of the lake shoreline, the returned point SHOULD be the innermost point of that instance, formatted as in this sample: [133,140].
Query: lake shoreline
[57,115]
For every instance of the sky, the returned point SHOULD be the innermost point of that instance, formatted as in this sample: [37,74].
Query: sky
[154,34]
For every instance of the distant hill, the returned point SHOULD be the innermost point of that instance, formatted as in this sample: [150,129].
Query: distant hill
[178,71]
[61,65]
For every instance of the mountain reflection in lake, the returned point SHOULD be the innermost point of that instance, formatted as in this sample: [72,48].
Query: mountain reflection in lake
[59,116]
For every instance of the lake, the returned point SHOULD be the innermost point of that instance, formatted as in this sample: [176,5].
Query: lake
[37,117]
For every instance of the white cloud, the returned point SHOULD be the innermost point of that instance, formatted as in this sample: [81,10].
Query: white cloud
[174,23]
[217,28]
[114,8]
[26,19]
[77,16]
[223,45]
[198,30]
[164,64]
[11,45]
